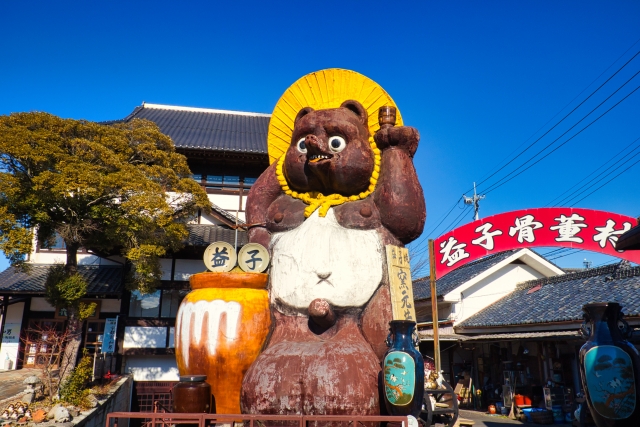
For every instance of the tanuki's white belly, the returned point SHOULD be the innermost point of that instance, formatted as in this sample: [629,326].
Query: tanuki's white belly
[322,259]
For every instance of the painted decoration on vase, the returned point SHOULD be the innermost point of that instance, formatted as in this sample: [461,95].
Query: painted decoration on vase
[399,378]
[610,378]
[221,326]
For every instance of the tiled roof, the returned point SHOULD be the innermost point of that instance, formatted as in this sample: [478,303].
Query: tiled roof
[205,129]
[101,279]
[204,235]
[560,298]
[226,214]
[422,288]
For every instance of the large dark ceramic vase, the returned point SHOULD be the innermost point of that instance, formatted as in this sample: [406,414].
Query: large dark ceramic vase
[402,371]
[609,367]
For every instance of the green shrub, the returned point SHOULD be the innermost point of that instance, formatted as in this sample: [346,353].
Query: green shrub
[74,390]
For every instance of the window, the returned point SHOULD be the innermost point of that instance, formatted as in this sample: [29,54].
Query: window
[214,182]
[144,305]
[43,343]
[171,299]
[231,181]
[93,336]
[226,183]
[55,244]
[161,303]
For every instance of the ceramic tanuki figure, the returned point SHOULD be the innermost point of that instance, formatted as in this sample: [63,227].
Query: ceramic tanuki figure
[325,209]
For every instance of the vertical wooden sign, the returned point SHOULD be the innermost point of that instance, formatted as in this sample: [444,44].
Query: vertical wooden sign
[400,283]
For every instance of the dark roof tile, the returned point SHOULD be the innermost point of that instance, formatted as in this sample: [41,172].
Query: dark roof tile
[101,279]
[560,298]
[200,128]
[204,234]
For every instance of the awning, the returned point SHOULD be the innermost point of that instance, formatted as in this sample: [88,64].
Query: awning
[445,333]
[559,335]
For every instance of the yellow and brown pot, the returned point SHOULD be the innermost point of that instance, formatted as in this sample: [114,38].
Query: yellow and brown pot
[221,328]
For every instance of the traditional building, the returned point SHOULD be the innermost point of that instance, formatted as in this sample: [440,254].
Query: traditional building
[544,317]
[468,290]
[226,152]
[528,335]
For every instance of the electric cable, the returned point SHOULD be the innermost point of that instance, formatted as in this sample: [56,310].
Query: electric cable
[635,163]
[607,173]
[593,172]
[427,234]
[562,144]
[567,254]
[567,115]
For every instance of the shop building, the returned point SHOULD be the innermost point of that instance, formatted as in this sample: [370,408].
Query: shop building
[467,291]
[226,152]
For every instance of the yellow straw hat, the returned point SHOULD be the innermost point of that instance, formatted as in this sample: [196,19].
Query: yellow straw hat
[321,90]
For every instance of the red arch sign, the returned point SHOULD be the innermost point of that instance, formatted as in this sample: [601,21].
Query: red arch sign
[575,228]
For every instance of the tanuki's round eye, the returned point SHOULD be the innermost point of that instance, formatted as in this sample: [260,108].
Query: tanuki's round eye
[301,146]
[337,144]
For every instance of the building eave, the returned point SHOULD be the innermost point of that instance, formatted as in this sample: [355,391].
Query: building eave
[525,255]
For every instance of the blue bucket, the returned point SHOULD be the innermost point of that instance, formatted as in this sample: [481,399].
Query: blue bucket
[558,414]
[527,413]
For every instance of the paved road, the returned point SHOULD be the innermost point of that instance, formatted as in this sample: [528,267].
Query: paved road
[485,420]
[11,381]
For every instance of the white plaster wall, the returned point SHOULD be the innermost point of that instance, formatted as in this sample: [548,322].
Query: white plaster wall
[186,267]
[226,201]
[145,337]
[46,257]
[9,346]
[152,368]
[207,219]
[40,304]
[107,306]
[489,290]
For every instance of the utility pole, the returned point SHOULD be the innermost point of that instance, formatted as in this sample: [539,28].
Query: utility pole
[475,201]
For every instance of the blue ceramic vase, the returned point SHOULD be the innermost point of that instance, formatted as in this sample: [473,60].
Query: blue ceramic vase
[402,371]
[609,367]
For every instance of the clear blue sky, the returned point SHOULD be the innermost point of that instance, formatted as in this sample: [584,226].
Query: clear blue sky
[478,79]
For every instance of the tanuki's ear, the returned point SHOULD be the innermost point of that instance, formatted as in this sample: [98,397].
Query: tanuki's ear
[357,109]
[302,113]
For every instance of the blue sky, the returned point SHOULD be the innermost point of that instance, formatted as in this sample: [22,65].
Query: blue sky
[478,79]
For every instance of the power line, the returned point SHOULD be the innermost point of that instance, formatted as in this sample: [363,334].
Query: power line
[635,163]
[606,174]
[445,217]
[592,173]
[475,201]
[552,151]
[567,254]
[556,251]
[569,103]
[567,115]
[505,165]
[451,226]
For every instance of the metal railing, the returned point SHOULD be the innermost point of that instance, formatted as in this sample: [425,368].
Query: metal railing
[158,419]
